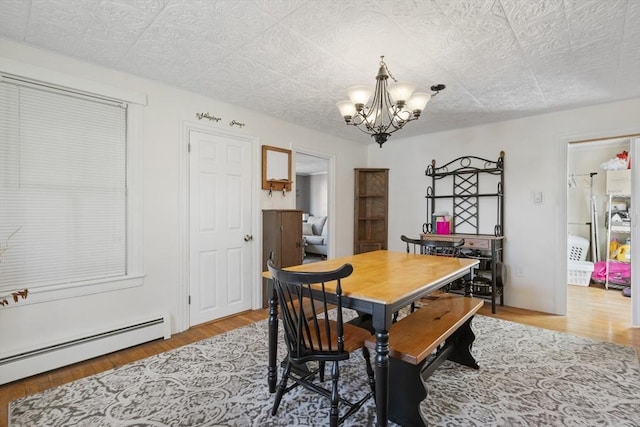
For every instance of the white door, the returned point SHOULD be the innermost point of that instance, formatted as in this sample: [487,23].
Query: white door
[220,254]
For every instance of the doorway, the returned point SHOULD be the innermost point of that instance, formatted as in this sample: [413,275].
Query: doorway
[314,183]
[595,241]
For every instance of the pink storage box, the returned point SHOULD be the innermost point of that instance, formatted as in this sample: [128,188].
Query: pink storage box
[443,227]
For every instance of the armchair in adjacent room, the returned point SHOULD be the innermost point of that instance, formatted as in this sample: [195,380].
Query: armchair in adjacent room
[315,234]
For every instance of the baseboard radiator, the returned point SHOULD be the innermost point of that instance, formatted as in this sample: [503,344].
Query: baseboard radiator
[62,354]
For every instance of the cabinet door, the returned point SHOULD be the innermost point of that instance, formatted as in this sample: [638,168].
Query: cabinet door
[369,246]
[291,238]
[271,239]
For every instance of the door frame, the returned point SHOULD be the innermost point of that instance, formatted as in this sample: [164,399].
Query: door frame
[331,192]
[182,320]
[562,219]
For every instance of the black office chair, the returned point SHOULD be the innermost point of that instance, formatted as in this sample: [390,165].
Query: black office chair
[311,336]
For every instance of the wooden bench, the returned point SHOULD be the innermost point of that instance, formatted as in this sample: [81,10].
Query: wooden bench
[443,320]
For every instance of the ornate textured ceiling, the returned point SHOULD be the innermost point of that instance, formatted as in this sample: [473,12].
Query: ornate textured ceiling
[293,59]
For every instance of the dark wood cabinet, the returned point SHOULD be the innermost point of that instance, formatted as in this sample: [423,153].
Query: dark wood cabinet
[282,237]
[371,210]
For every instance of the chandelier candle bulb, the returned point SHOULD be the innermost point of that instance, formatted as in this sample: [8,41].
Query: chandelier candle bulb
[400,92]
[359,95]
[418,102]
[393,105]
[347,109]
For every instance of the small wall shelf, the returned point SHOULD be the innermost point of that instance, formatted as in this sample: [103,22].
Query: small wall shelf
[279,185]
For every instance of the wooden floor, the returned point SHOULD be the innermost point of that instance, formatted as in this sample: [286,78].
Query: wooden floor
[592,312]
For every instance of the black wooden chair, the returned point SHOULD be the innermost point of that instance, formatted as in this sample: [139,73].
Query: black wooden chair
[415,244]
[443,248]
[433,247]
[311,336]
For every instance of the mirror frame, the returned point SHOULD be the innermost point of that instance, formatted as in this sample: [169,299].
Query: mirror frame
[274,161]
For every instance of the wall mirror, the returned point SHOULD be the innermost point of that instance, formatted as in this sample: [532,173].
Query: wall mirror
[276,168]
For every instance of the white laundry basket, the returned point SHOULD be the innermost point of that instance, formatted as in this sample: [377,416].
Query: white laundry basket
[579,273]
[577,248]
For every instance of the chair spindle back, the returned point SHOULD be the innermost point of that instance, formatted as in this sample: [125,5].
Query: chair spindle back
[434,247]
[304,302]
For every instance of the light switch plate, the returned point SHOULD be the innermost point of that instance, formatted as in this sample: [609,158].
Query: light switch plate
[536,197]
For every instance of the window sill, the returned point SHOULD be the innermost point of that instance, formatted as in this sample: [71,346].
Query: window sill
[77,289]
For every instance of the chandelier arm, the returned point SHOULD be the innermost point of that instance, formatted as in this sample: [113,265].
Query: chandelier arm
[361,129]
[382,102]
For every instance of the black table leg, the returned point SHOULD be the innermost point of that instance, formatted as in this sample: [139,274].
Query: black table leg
[382,377]
[272,376]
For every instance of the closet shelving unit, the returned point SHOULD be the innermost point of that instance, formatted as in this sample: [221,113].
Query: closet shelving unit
[618,229]
[468,185]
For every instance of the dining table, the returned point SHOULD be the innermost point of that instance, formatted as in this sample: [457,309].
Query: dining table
[382,283]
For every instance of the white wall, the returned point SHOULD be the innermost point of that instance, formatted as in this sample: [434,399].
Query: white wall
[302,193]
[319,191]
[27,325]
[535,160]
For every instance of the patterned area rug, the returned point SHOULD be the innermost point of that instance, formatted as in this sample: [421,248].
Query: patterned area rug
[527,377]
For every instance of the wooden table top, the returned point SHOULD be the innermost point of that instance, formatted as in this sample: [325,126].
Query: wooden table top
[385,277]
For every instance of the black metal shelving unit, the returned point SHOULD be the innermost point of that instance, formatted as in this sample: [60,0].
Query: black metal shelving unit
[471,185]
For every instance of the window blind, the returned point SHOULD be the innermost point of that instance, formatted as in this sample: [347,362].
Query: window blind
[62,187]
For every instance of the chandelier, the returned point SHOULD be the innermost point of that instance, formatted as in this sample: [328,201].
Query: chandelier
[393,105]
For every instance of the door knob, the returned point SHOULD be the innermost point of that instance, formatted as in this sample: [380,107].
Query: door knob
[248,237]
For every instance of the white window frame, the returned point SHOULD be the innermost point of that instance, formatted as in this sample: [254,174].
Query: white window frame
[134,235]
